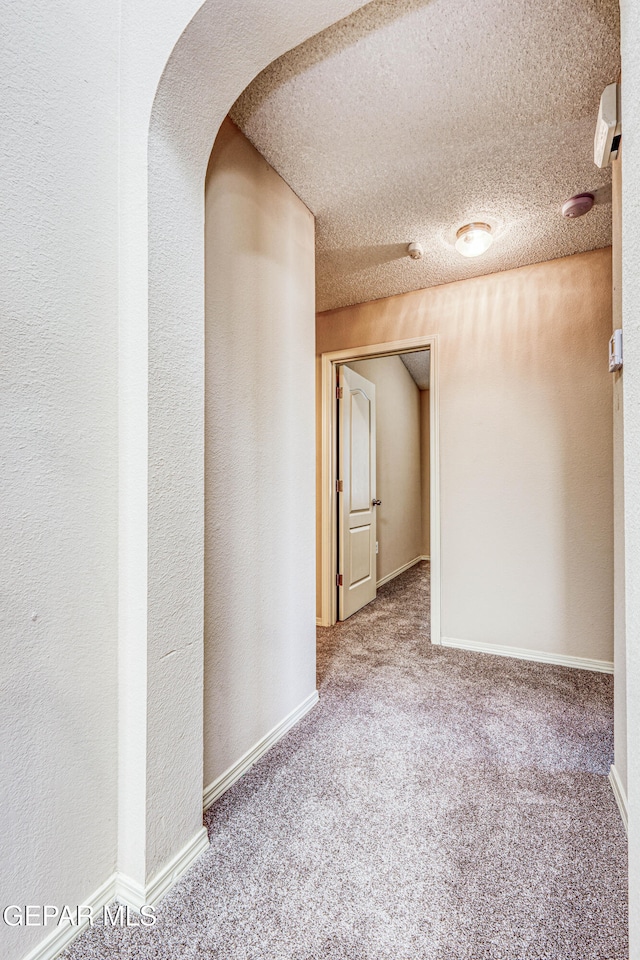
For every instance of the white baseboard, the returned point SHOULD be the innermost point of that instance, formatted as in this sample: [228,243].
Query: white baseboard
[226,780]
[135,895]
[127,891]
[620,795]
[396,573]
[60,937]
[319,622]
[538,656]
[131,892]
[424,557]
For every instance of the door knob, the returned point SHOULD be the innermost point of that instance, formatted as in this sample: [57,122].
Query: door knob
[376,503]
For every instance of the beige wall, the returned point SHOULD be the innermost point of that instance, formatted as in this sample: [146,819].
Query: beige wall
[425,472]
[259,452]
[620,686]
[525,448]
[398,480]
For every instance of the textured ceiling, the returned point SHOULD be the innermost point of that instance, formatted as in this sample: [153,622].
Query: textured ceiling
[418,366]
[412,117]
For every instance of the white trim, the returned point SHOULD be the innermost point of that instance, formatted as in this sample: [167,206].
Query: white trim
[136,896]
[227,779]
[166,877]
[60,937]
[620,795]
[127,891]
[423,557]
[131,892]
[327,456]
[538,656]
[328,560]
[319,622]
[396,573]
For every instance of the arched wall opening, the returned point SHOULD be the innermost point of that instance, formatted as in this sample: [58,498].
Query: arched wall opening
[137,127]
[162,414]
[161,797]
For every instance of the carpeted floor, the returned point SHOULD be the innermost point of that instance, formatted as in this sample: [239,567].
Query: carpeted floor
[435,805]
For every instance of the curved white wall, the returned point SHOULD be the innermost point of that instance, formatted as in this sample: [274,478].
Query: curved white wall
[259,626]
[219,53]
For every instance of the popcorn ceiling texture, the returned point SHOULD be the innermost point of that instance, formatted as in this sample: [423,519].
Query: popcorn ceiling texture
[412,117]
[435,805]
[419,366]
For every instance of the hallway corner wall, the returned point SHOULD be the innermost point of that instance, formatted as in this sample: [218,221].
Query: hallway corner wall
[259,452]
[525,429]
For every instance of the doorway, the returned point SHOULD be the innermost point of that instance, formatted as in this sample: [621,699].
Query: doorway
[334,505]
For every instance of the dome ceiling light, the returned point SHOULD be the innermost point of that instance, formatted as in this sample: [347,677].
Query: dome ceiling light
[473,239]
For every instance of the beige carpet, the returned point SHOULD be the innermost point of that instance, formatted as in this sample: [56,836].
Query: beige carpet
[435,805]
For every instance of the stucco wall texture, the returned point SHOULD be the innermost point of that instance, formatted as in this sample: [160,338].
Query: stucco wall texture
[108,120]
[525,448]
[164,160]
[132,99]
[58,434]
[259,625]
[620,652]
[630,289]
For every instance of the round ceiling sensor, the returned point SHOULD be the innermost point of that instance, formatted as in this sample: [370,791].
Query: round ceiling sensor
[577,206]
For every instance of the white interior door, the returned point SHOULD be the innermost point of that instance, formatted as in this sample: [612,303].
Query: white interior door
[356,492]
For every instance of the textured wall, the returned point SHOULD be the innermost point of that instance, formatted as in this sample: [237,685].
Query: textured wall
[58,123]
[58,427]
[630,49]
[168,125]
[259,452]
[399,518]
[158,666]
[182,65]
[525,448]
[425,471]
[620,686]
[102,216]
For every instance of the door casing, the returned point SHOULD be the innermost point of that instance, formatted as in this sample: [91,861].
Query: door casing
[328,544]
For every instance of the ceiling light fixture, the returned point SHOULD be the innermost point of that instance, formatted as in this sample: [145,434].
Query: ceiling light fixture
[473,239]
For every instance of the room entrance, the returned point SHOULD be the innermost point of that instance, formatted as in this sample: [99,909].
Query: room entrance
[379,512]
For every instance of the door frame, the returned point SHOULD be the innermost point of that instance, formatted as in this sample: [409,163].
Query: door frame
[328,501]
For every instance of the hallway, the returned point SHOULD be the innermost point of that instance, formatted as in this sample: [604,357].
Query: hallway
[435,805]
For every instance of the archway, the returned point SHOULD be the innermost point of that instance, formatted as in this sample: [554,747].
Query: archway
[162,404]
